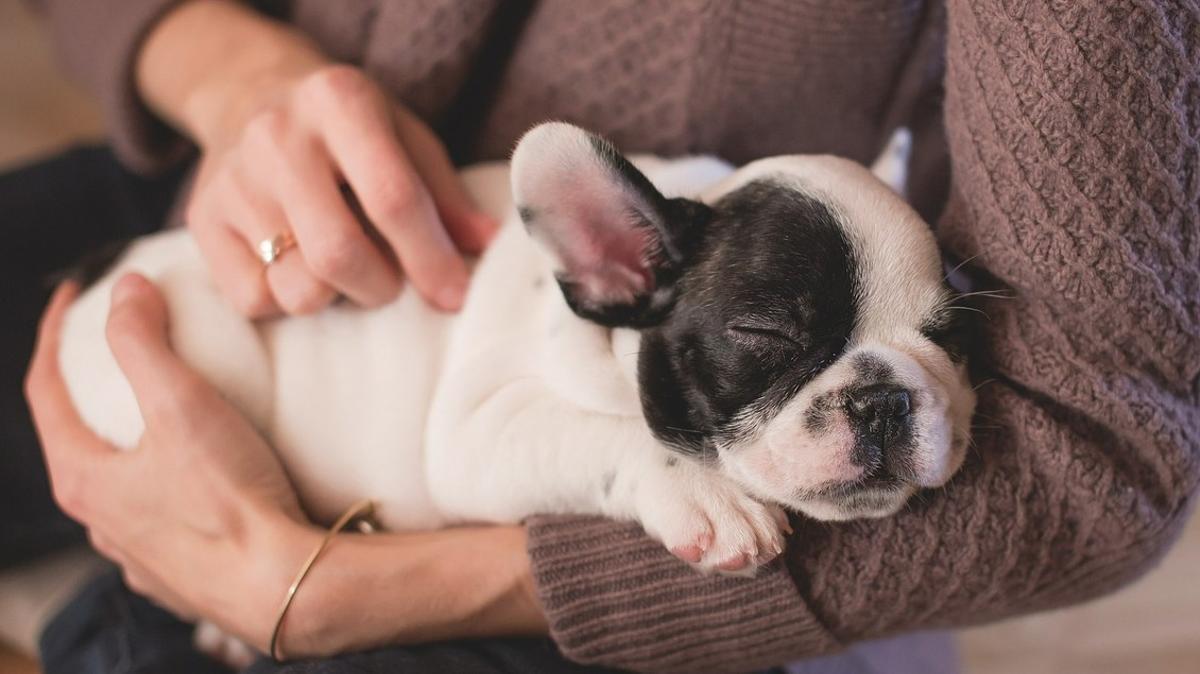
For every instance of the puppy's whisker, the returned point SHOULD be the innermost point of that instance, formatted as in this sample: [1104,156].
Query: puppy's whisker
[983,383]
[981,312]
[960,265]
[683,430]
[991,294]
[920,497]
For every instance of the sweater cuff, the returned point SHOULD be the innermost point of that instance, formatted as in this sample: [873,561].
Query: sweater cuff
[98,43]
[615,597]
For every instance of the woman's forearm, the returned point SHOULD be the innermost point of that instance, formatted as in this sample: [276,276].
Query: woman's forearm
[369,591]
[208,64]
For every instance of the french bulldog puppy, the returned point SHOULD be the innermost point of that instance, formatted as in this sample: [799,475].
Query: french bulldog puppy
[676,342]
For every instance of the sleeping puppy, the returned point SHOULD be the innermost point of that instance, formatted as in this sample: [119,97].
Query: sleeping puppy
[674,342]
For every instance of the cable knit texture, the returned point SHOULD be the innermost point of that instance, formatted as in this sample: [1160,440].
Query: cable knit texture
[1065,134]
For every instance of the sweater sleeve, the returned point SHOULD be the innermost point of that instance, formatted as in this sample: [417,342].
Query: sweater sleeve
[1073,131]
[98,43]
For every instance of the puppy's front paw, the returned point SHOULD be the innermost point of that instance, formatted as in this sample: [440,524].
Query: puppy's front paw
[709,522]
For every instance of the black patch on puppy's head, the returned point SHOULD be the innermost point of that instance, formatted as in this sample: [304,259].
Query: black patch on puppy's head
[765,304]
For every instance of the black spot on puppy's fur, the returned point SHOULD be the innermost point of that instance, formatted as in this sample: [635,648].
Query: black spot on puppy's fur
[820,413]
[526,213]
[765,301]
[606,484]
[871,369]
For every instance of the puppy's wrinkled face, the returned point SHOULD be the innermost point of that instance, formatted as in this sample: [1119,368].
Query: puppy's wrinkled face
[795,323]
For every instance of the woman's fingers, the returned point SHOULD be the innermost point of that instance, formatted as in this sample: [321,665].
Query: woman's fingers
[282,173]
[331,240]
[235,269]
[288,281]
[53,412]
[167,390]
[360,133]
[471,228]
[303,183]
[294,286]
[74,455]
[42,379]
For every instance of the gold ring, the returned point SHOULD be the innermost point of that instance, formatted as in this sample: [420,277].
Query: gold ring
[270,249]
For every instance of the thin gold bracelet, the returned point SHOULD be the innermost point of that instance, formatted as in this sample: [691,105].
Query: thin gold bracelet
[359,511]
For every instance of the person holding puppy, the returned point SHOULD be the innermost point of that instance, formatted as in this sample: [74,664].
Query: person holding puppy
[1070,185]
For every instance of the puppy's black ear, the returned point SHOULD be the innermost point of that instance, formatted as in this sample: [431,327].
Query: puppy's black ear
[618,243]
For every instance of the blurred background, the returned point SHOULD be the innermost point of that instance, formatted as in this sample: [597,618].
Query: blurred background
[1151,627]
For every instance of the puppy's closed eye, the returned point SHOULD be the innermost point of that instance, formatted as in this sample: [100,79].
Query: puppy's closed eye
[758,335]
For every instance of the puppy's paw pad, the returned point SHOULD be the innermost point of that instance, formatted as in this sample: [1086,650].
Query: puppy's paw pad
[689,553]
[736,563]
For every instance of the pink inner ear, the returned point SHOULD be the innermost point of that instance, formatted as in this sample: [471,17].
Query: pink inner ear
[602,244]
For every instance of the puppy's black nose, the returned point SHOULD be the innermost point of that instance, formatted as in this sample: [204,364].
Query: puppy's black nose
[881,417]
[878,403]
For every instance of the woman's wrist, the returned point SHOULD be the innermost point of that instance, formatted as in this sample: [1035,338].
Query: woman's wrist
[268,549]
[208,65]
[367,591]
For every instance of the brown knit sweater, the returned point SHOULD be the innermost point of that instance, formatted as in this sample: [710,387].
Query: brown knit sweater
[1056,138]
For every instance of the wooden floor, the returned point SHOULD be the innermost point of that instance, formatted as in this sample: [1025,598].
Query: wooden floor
[10,663]
[1152,627]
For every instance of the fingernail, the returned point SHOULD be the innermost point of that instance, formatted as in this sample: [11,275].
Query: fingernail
[451,297]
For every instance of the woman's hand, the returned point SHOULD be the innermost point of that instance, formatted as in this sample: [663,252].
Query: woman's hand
[202,518]
[282,129]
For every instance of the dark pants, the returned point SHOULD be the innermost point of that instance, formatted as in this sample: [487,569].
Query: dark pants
[52,215]
[107,628]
